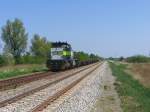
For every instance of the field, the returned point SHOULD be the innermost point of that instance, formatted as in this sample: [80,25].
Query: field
[18,70]
[141,72]
[134,96]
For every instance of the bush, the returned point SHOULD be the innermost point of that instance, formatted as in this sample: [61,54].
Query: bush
[138,59]
[6,59]
[9,59]
[2,60]
[28,59]
[82,56]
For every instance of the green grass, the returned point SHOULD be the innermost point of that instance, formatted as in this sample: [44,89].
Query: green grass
[134,96]
[19,71]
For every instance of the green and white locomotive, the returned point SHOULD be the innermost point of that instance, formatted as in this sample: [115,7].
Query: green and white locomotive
[61,57]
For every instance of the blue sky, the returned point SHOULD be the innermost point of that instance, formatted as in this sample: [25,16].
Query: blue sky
[105,27]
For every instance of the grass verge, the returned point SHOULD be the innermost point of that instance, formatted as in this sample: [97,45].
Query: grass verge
[134,96]
[13,72]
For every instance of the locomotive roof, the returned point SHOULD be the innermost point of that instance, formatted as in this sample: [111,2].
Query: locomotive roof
[60,44]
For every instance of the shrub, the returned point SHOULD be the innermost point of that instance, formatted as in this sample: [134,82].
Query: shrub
[9,59]
[29,59]
[138,59]
[2,60]
[82,56]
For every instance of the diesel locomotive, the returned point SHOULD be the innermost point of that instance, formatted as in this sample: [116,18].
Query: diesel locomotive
[61,57]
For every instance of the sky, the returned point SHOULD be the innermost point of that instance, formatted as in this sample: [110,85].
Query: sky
[104,27]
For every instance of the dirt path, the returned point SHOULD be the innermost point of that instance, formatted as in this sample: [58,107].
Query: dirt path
[109,100]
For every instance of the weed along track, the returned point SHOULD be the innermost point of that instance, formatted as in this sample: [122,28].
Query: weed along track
[15,101]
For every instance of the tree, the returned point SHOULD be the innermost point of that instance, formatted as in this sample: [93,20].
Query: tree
[15,38]
[94,57]
[121,58]
[40,46]
[81,56]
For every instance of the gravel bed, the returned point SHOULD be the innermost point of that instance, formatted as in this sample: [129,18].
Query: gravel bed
[82,97]
[7,94]
[29,102]
[109,100]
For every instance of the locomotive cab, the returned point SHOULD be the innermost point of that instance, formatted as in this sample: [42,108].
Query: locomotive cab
[61,57]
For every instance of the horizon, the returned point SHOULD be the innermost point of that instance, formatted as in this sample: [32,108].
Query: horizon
[106,28]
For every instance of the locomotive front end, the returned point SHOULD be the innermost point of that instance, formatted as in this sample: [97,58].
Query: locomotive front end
[61,57]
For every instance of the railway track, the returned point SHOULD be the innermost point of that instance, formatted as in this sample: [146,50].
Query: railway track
[20,96]
[47,102]
[17,81]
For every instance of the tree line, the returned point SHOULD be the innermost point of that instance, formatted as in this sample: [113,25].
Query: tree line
[133,59]
[15,39]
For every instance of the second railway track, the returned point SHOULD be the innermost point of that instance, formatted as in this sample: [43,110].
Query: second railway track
[16,81]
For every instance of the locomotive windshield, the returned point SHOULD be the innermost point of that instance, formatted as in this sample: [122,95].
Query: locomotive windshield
[57,52]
